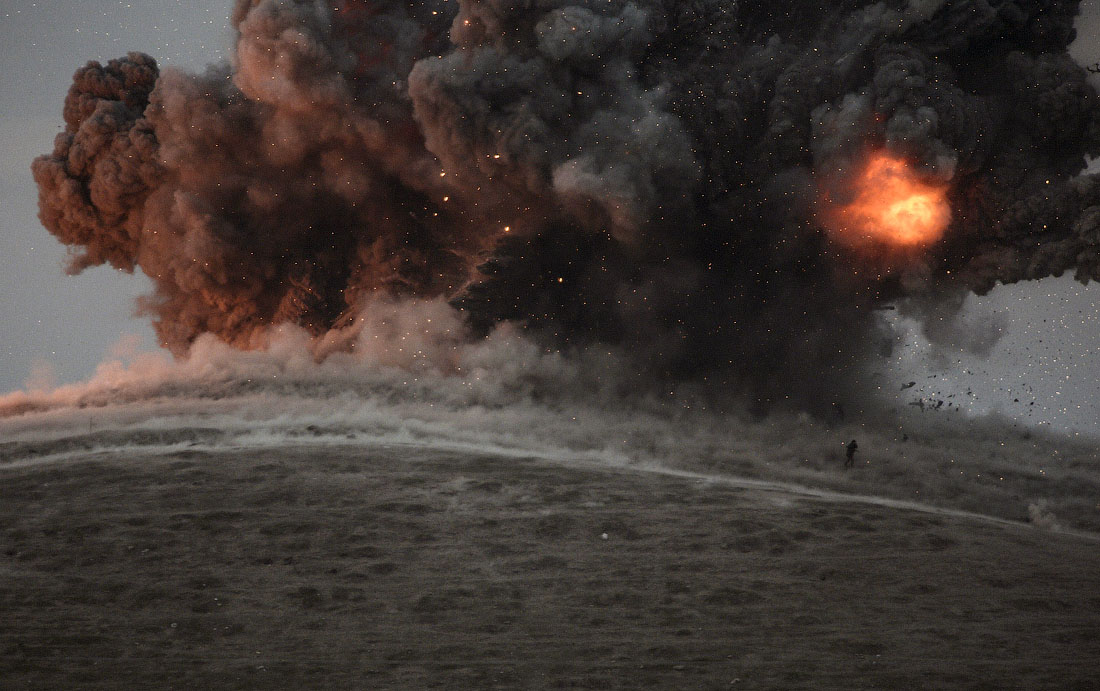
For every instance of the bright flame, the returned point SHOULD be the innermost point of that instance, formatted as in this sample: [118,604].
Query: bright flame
[889,204]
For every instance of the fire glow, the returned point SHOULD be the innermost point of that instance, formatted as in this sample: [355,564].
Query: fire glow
[888,204]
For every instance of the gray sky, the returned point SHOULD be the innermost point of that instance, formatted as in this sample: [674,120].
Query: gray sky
[1049,353]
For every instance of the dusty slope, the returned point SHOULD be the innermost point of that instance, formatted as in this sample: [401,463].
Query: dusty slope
[391,567]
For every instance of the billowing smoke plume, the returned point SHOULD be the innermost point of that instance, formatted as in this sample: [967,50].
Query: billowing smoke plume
[645,175]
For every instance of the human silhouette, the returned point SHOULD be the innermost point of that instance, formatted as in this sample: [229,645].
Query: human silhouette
[850,456]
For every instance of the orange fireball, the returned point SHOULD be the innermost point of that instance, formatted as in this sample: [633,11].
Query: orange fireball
[887,203]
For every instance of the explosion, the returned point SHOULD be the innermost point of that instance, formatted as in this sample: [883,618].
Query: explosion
[653,161]
[888,205]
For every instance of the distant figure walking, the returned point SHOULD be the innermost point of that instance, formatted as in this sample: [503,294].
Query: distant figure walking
[850,456]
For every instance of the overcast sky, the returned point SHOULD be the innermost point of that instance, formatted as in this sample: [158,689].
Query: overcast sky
[1048,357]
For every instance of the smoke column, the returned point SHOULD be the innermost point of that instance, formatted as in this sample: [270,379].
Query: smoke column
[656,177]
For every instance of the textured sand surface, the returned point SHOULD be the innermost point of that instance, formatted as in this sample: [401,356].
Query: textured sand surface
[376,567]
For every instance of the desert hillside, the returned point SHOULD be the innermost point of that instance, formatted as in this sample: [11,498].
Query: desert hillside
[391,566]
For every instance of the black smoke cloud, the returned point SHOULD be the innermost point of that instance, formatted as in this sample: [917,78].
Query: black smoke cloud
[640,175]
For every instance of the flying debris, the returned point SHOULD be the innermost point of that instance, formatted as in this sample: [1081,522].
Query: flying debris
[721,192]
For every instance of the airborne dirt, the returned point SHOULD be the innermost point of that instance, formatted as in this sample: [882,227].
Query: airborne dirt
[390,566]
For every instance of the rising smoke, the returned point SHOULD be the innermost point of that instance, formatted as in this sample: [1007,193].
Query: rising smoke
[646,176]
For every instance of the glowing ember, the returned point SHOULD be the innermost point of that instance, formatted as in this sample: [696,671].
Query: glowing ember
[888,204]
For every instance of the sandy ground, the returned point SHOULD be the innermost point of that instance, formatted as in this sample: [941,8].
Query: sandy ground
[389,567]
